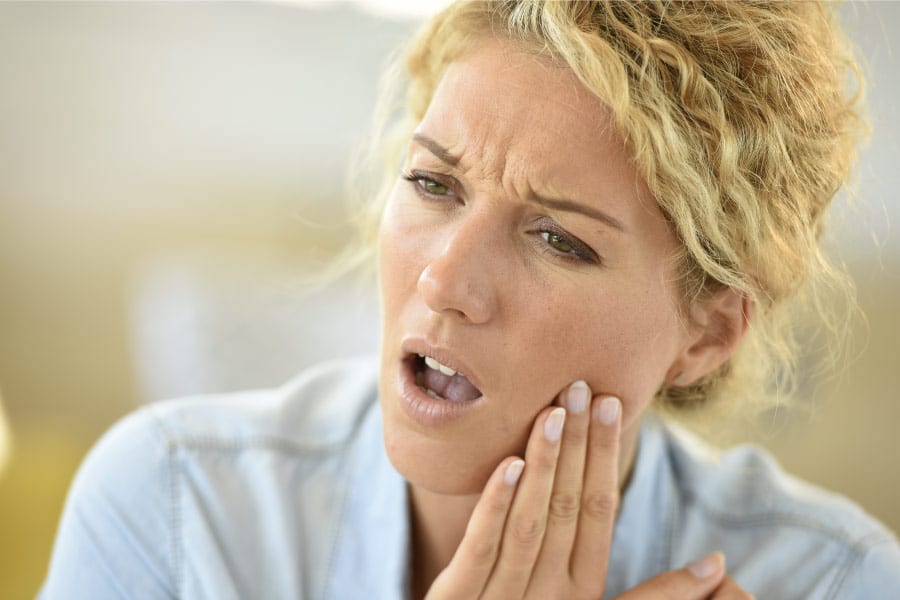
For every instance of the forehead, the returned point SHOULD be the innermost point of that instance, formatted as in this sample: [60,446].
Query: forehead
[501,108]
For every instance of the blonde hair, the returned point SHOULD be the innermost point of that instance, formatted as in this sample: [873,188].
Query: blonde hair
[738,117]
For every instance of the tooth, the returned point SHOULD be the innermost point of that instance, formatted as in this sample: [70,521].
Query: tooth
[439,367]
[447,371]
[434,394]
[421,356]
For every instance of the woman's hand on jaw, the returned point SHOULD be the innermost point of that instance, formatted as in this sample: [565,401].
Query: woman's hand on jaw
[545,531]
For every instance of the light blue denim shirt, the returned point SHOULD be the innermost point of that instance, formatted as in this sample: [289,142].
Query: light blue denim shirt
[289,494]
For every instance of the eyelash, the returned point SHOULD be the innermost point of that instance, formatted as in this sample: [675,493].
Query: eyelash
[580,254]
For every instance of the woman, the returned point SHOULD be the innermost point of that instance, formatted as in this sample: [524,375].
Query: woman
[601,207]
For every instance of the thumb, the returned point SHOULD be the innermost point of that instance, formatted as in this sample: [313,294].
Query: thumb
[695,581]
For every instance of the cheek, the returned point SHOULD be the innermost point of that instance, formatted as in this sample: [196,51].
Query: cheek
[621,343]
[398,258]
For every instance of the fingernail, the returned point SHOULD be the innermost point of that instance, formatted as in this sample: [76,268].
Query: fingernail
[578,397]
[553,426]
[608,410]
[513,472]
[706,566]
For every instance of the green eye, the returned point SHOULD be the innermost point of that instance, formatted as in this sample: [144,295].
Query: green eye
[433,187]
[558,242]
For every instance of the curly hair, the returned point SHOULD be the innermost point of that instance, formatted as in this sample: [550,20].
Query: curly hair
[738,117]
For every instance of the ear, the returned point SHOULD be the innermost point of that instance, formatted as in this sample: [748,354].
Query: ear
[717,327]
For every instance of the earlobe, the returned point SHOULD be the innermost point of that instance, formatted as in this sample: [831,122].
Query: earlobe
[720,325]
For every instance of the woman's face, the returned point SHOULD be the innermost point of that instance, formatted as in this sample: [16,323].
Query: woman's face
[522,249]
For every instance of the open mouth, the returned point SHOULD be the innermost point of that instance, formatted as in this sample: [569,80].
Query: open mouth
[441,382]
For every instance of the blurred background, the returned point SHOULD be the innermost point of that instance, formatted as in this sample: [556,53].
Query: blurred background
[171,172]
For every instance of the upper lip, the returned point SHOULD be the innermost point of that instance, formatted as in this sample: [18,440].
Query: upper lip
[443,355]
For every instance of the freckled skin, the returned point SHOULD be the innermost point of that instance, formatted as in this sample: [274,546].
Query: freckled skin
[470,270]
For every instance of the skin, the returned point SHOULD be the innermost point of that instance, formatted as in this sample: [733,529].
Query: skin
[532,298]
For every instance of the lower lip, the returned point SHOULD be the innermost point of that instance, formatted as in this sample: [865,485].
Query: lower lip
[425,410]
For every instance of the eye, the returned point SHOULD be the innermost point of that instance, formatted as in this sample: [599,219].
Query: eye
[432,187]
[558,242]
[428,185]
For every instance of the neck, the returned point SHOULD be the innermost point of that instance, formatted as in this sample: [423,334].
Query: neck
[439,521]
[438,524]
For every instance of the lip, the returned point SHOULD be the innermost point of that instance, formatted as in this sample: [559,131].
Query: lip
[419,406]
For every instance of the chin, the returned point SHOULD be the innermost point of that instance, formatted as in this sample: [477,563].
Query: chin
[438,466]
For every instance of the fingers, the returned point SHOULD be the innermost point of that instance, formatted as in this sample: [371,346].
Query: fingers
[468,571]
[566,497]
[695,581]
[558,521]
[600,494]
[527,520]
[730,590]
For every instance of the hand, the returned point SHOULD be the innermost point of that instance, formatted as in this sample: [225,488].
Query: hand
[689,581]
[549,535]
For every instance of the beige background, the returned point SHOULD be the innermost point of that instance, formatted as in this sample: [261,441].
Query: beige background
[168,173]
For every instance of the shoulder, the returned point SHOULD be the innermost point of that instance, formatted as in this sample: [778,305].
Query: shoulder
[318,409]
[167,483]
[745,485]
[116,518]
[775,526]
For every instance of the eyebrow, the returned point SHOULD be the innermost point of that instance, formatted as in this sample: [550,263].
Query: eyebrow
[576,207]
[436,149]
[560,204]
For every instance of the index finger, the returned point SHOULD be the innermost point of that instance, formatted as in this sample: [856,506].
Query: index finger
[471,565]
[600,494]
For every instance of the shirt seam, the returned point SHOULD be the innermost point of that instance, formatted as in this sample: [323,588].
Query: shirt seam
[175,444]
[774,518]
[174,489]
[856,554]
[338,537]
[346,503]
[175,518]
[239,444]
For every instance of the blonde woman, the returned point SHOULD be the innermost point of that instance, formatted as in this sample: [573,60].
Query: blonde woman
[600,208]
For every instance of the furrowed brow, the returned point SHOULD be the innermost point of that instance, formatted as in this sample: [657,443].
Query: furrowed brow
[445,156]
[576,207]
[435,148]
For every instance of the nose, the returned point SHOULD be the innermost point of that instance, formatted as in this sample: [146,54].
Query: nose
[459,279]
